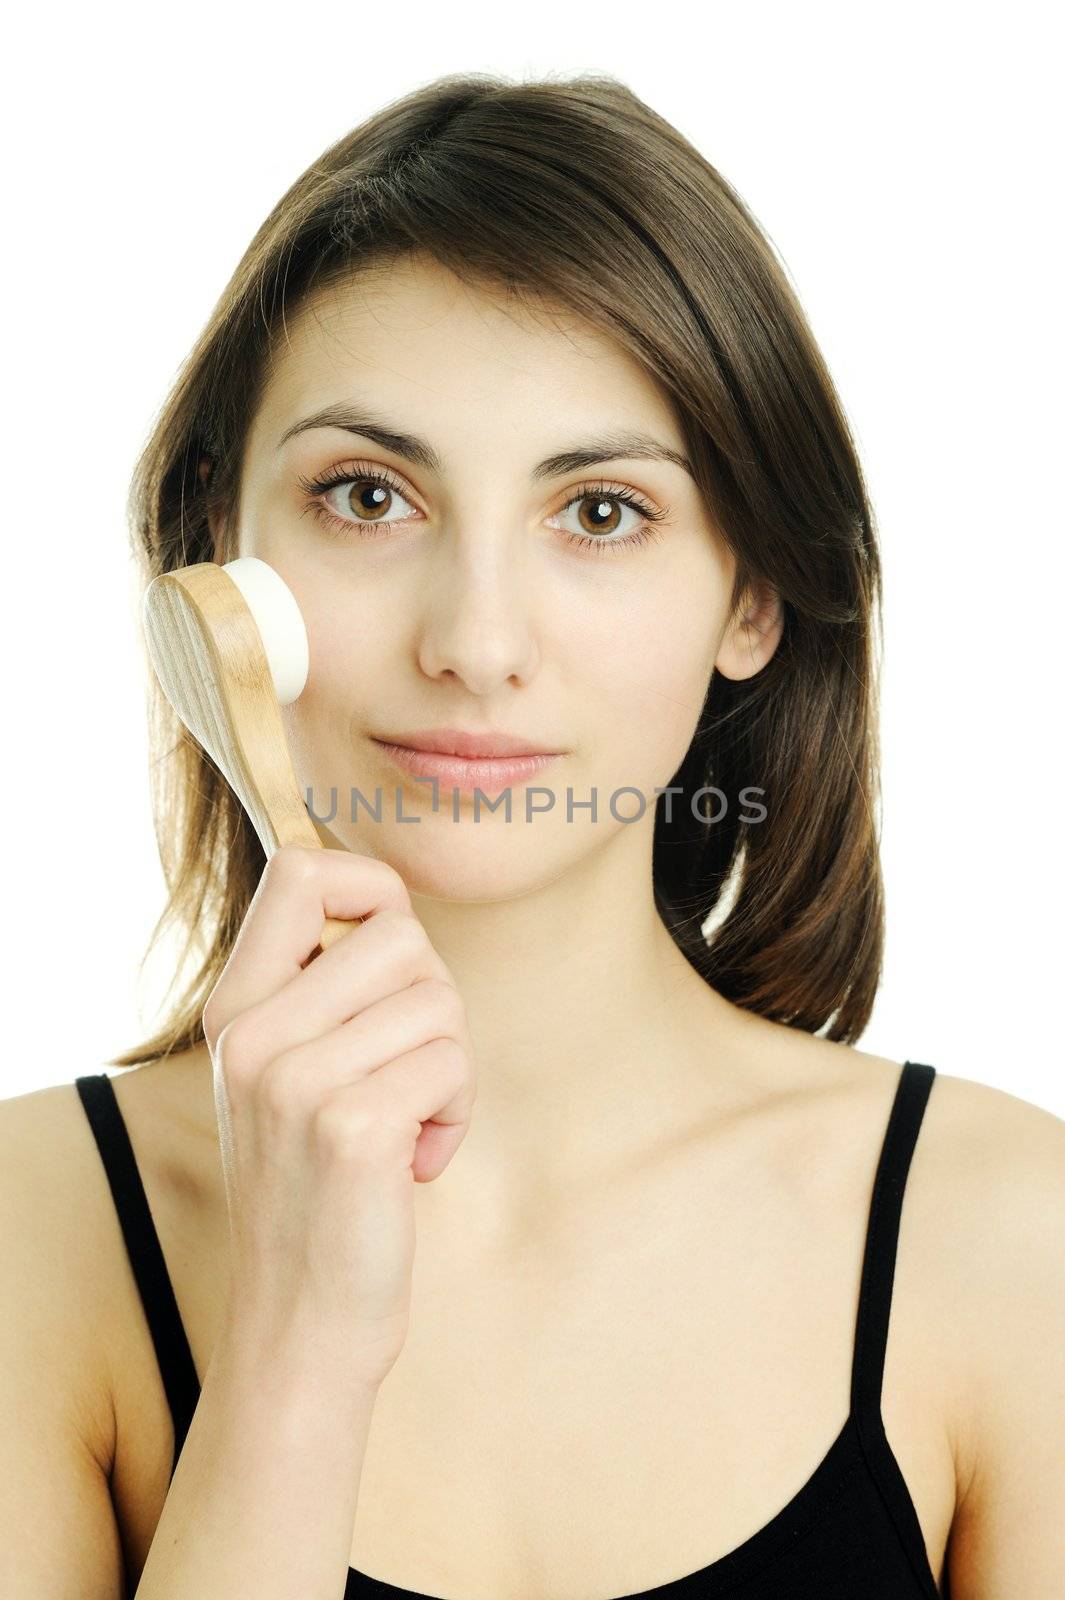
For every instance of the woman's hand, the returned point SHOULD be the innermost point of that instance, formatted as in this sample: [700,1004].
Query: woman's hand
[340,1081]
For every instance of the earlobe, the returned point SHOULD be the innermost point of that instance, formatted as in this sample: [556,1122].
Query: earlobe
[752,635]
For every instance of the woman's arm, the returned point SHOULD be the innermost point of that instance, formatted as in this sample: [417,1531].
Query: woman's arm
[1008,1534]
[59,1538]
[263,1501]
[262,1505]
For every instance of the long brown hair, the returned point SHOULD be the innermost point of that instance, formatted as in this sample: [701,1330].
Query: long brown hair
[575,190]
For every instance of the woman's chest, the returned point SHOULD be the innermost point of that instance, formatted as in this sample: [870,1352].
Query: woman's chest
[596,1419]
[609,1439]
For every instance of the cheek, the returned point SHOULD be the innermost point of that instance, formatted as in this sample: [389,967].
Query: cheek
[350,636]
[648,671]
[344,690]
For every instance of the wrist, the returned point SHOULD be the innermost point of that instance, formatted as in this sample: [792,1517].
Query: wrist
[297,1358]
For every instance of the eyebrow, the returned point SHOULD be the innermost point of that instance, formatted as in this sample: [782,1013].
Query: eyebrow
[622,445]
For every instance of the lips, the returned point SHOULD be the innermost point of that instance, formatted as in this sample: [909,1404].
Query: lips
[467,742]
[489,762]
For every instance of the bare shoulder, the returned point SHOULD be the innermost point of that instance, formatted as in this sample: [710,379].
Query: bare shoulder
[986,1245]
[996,1167]
[53,1200]
[997,1163]
[61,1238]
[1007,1125]
[990,1171]
[1000,1179]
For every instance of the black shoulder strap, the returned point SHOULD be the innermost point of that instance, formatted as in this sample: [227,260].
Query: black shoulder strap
[881,1242]
[145,1252]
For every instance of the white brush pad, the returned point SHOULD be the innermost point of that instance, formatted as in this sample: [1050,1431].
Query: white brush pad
[279,621]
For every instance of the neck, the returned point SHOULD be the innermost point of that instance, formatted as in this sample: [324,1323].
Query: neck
[595,1040]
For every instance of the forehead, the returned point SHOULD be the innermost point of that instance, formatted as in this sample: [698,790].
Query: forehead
[432,349]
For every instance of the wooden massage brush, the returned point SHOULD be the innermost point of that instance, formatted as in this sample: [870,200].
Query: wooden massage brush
[229,647]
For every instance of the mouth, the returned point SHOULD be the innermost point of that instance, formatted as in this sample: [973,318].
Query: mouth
[468,761]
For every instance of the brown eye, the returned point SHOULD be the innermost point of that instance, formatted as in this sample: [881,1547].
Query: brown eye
[599,513]
[367,497]
[357,498]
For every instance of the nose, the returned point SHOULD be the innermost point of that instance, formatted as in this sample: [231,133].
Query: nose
[477,624]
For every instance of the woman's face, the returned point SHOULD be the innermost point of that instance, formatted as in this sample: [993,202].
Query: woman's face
[480,585]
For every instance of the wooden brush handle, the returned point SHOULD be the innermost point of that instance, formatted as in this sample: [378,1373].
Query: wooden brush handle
[333,929]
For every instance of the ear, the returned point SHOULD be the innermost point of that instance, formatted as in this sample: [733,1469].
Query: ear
[753,633]
[214,521]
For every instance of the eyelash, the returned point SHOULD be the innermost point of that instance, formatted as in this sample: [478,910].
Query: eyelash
[317,488]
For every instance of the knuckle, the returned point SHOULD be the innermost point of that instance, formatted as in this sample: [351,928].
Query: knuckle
[453,1059]
[335,1127]
[390,878]
[445,1002]
[236,1050]
[406,935]
[353,1130]
[291,864]
[279,1089]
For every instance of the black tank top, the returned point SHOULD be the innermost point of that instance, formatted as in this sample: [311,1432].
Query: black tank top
[850,1533]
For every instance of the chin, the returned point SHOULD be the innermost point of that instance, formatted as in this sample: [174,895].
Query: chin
[460,862]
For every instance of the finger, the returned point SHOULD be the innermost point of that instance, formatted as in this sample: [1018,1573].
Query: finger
[389,952]
[389,1027]
[429,1084]
[299,888]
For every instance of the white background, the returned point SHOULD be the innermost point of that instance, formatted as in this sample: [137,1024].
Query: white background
[905,166]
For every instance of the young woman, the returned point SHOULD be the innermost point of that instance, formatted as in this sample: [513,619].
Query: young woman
[513,393]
